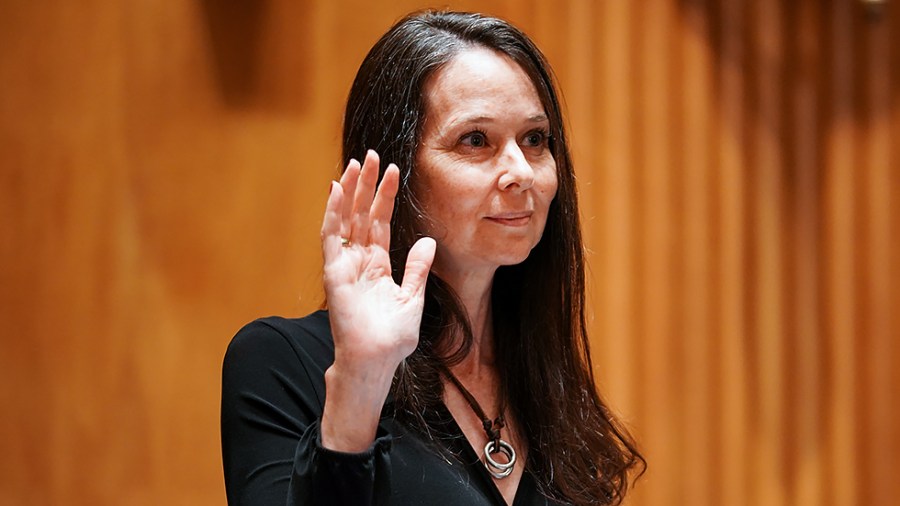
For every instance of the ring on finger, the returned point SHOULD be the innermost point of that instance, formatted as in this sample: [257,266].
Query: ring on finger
[345,241]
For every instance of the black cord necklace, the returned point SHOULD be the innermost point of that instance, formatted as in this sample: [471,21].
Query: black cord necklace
[494,445]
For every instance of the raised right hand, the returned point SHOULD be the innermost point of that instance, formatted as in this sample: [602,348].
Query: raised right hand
[375,322]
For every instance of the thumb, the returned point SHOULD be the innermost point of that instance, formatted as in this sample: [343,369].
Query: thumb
[418,263]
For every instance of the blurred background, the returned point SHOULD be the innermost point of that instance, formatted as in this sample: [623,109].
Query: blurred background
[164,167]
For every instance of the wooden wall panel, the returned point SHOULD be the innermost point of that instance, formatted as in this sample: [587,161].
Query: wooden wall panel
[163,167]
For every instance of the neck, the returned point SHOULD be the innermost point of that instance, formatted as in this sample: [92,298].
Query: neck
[474,291]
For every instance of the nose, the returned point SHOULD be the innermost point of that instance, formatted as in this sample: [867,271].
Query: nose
[516,173]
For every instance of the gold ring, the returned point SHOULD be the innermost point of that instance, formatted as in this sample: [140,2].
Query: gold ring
[345,241]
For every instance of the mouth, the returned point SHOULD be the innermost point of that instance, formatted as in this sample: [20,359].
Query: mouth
[512,219]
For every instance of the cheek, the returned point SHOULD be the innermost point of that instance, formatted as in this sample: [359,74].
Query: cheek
[448,203]
[456,203]
[553,187]
[548,184]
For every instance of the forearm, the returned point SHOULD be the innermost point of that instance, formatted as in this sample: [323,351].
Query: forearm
[354,397]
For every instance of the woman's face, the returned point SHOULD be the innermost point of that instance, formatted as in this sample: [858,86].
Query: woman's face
[486,174]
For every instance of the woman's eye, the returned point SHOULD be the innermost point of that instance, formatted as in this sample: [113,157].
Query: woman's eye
[535,138]
[475,140]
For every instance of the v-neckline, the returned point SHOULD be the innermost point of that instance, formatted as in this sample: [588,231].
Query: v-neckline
[471,458]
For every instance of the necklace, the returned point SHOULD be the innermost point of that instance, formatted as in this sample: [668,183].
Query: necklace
[494,445]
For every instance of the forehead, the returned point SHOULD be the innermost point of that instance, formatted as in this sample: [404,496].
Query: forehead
[481,79]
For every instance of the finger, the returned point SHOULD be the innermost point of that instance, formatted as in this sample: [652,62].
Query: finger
[362,201]
[418,263]
[382,207]
[331,223]
[348,184]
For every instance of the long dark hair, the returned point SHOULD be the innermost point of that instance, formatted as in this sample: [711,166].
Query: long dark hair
[578,452]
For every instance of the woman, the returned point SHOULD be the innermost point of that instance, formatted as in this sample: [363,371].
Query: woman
[452,365]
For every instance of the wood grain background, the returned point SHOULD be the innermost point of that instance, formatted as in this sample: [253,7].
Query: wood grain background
[164,165]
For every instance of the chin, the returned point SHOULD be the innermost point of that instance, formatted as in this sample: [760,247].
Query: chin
[512,257]
[516,260]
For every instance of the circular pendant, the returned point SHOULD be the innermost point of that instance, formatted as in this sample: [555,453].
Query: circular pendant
[499,470]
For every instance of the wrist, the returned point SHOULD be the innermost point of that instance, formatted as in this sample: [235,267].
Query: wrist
[354,398]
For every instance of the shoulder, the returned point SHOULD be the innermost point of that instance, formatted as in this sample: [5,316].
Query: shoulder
[276,344]
[310,334]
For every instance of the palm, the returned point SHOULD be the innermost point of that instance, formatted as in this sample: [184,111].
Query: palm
[372,317]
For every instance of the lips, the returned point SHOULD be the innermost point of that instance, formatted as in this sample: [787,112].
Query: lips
[512,219]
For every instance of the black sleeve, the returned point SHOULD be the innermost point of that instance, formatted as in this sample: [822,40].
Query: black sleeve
[273,391]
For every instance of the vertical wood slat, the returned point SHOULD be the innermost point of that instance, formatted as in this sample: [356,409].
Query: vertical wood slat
[614,194]
[807,483]
[660,393]
[732,191]
[875,360]
[839,163]
[893,443]
[768,270]
[696,76]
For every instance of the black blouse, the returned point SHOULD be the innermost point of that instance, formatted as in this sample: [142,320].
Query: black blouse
[273,392]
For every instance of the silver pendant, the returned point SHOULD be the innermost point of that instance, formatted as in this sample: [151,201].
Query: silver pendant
[499,470]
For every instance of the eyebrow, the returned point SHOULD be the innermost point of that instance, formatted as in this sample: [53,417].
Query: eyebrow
[537,118]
